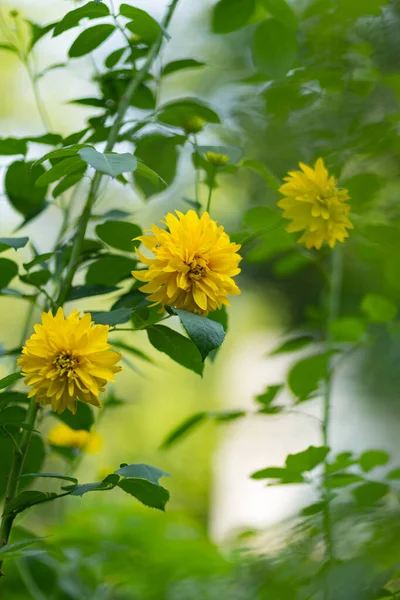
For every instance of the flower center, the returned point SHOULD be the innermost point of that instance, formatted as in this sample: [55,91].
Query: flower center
[65,363]
[196,271]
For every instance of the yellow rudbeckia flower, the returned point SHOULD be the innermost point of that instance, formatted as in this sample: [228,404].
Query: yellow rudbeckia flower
[68,359]
[315,204]
[63,436]
[193,265]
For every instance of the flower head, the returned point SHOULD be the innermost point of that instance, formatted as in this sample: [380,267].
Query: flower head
[193,264]
[314,204]
[217,160]
[63,436]
[68,359]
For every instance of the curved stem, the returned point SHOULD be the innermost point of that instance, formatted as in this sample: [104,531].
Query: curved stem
[39,103]
[333,312]
[212,179]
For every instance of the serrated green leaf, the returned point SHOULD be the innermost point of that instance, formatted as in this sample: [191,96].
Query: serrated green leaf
[308,459]
[61,169]
[110,163]
[82,419]
[108,483]
[38,260]
[149,494]
[109,270]
[142,471]
[176,346]
[26,499]
[16,243]
[85,291]
[21,190]
[112,317]
[119,234]
[36,278]
[205,333]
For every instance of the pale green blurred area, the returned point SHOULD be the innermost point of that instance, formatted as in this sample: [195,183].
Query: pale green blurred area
[158,396]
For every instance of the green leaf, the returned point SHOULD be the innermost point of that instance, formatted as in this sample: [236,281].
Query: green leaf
[91,10]
[26,499]
[38,260]
[176,346]
[258,167]
[9,380]
[114,58]
[50,139]
[12,415]
[347,329]
[90,39]
[82,419]
[394,474]
[370,493]
[16,550]
[142,471]
[206,334]
[143,171]
[119,234]
[51,476]
[291,263]
[183,429]
[33,462]
[283,474]
[38,32]
[7,397]
[149,494]
[337,480]
[20,188]
[36,278]
[10,146]
[61,169]
[378,308]
[234,154]
[61,153]
[178,112]
[112,317]
[131,349]
[269,395]
[110,163]
[159,153]
[304,377]
[293,345]
[109,270]
[16,243]
[108,483]
[373,458]
[274,48]
[143,25]
[282,12]
[313,509]
[66,183]
[230,15]
[308,459]
[177,65]
[85,291]
[261,218]
[8,270]
[342,461]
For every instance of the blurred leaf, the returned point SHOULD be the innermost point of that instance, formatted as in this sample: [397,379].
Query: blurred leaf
[281,11]
[61,169]
[112,317]
[293,345]
[142,471]
[362,189]
[267,397]
[274,48]
[108,483]
[38,32]
[178,112]
[358,8]
[291,263]
[114,58]
[36,278]
[128,348]
[26,499]
[149,494]
[143,25]
[85,291]
[51,476]
[10,146]
[394,474]
[337,480]
[304,377]
[109,270]
[11,396]
[66,152]
[154,178]
[284,475]
[234,154]
[16,550]
[177,65]
[176,346]
[373,458]
[41,258]
[308,459]
[91,10]
[159,153]
[342,461]
[119,234]
[21,190]
[230,15]
[378,308]
[9,380]
[183,429]
[90,39]
[205,333]
[82,419]
[369,493]
[16,243]
[313,509]
[110,163]
[347,329]
[261,218]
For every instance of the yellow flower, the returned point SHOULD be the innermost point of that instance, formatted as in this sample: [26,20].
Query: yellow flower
[80,439]
[68,359]
[315,204]
[193,266]
[217,160]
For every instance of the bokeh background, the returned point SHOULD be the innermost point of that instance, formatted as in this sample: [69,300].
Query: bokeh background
[224,535]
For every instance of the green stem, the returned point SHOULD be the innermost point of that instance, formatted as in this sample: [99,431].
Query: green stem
[210,191]
[333,312]
[196,179]
[39,103]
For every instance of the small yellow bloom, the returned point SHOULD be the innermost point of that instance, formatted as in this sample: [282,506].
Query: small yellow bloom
[68,359]
[194,125]
[217,160]
[314,204]
[80,439]
[193,266]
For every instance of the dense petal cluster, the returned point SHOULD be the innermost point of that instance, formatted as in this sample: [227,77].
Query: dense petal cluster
[79,439]
[315,205]
[68,359]
[193,265]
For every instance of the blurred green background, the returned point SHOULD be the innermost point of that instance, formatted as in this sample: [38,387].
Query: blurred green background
[225,536]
